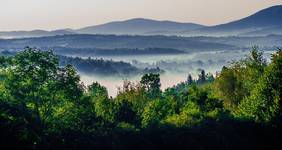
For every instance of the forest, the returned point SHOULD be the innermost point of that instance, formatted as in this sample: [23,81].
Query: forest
[99,66]
[113,52]
[44,105]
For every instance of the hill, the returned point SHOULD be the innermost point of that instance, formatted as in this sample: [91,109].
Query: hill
[113,42]
[139,26]
[33,33]
[267,21]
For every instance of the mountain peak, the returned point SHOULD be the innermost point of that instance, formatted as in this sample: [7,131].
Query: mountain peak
[151,20]
[260,21]
[140,19]
[140,26]
[276,9]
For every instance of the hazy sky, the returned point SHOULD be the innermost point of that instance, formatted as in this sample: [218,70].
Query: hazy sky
[55,14]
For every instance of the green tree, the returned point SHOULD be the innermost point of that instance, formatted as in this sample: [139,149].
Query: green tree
[210,77]
[202,98]
[189,115]
[264,103]
[97,90]
[151,83]
[189,79]
[156,111]
[130,102]
[202,77]
[40,88]
[102,105]
[236,82]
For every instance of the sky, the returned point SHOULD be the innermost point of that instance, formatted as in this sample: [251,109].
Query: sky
[59,14]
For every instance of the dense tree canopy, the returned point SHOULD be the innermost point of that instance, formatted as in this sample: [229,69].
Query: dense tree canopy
[44,105]
[236,81]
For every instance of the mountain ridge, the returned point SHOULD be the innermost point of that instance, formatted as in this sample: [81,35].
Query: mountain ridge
[33,33]
[262,23]
[265,18]
[139,26]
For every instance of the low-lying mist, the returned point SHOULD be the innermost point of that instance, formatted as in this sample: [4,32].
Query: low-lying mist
[177,67]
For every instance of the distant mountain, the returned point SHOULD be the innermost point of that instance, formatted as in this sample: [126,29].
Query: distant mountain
[267,21]
[87,41]
[33,33]
[139,26]
[86,44]
[270,42]
[265,31]
[113,52]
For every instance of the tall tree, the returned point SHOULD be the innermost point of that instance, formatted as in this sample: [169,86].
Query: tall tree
[264,103]
[236,81]
[202,77]
[151,82]
[189,79]
[38,84]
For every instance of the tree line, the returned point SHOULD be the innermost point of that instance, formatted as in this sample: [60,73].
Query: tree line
[99,66]
[44,105]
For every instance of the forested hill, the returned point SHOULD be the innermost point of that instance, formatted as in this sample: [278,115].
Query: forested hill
[105,67]
[113,42]
[114,52]
[124,44]
[139,26]
[100,67]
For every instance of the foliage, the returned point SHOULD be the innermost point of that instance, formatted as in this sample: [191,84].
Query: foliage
[235,82]
[264,103]
[100,66]
[157,110]
[151,83]
[44,106]
[97,90]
